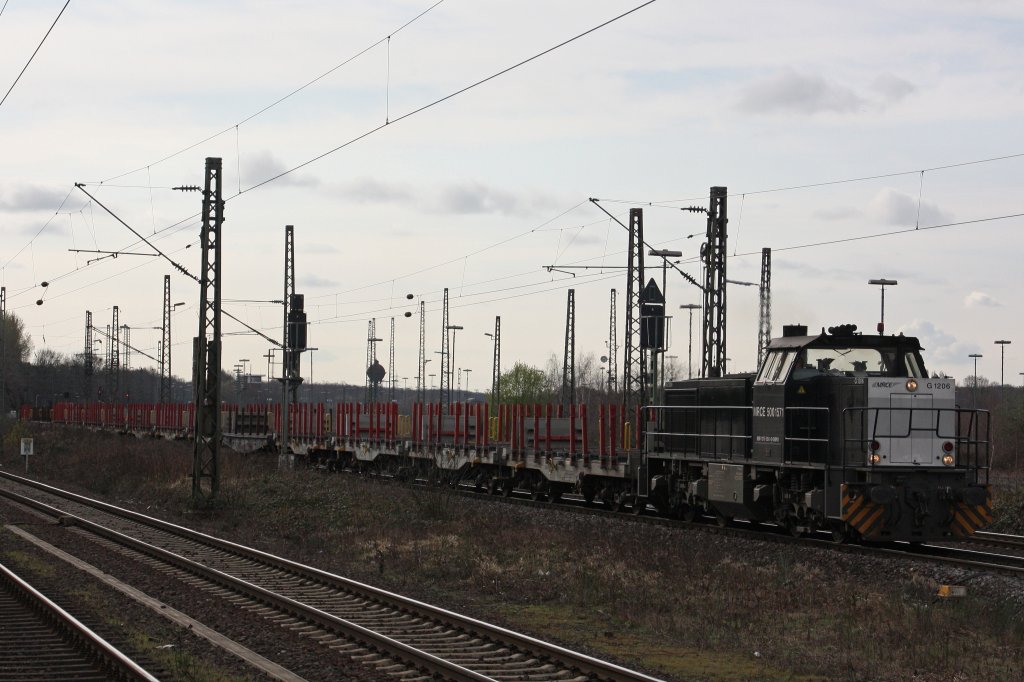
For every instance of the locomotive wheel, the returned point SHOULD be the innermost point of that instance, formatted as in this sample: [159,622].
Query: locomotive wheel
[839,534]
[793,528]
[721,519]
[639,506]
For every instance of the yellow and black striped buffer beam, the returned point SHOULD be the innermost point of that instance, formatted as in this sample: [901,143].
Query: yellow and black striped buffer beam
[862,514]
[968,519]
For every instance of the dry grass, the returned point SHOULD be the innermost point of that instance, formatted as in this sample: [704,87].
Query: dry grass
[686,605]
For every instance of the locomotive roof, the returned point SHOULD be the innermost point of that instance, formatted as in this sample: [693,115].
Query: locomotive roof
[824,340]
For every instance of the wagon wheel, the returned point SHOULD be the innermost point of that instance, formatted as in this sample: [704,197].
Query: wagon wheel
[507,489]
[639,506]
[588,496]
[721,519]
[493,487]
[618,502]
[793,528]
[538,492]
[689,513]
[556,495]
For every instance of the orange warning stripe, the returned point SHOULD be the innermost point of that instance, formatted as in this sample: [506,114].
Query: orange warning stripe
[968,520]
[861,513]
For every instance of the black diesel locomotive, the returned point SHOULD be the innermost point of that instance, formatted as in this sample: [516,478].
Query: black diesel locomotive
[837,431]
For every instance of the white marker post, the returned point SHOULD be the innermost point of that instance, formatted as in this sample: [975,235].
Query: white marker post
[26,450]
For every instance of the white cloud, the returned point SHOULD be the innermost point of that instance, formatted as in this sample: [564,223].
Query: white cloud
[794,92]
[30,198]
[979,299]
[263,165]
[893,88]
[838,213]
[370,190]
[940,348]
[896,208]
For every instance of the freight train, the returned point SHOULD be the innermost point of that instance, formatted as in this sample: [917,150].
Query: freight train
[838,432]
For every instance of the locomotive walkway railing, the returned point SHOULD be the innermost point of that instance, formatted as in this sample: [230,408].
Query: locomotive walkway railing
[701,431]
[967,430]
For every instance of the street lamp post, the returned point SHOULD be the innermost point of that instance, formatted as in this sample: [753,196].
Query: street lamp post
[1003,343]
[467,371]
[495,376]
[975,356]
[883,283]
[690,307]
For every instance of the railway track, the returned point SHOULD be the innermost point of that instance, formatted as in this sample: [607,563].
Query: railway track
[960,553]
[1009,542]
[385,631]
[40,641]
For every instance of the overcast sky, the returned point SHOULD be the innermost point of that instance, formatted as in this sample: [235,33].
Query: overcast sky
[484,190]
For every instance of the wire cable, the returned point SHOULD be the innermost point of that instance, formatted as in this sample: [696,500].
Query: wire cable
[35,52]
[277,101]
[827,183]
[451,95]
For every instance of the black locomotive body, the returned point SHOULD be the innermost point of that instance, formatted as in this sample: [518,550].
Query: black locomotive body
[838,431]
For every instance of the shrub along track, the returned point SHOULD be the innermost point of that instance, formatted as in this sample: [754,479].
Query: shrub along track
[389,633]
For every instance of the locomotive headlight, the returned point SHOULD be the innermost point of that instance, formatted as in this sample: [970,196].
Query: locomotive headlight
[911,385]
[947,460]
[874,458]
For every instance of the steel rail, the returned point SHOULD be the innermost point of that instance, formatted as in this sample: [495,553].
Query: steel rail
[79,637]
[394,649]
[586,665]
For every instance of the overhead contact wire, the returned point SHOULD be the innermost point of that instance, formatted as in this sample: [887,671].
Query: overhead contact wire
[35,52]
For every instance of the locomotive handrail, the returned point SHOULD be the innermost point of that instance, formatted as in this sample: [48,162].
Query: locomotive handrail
[971,447]
[700,435]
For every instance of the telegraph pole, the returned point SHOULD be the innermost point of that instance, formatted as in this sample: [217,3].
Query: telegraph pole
[446,380]
[714,254]
[421,363]
[634,371]
[764,328]
[391,364]
[613,348]
[496,366]
[3,350]
[87,358]
[115,358]
[127,341]
[165,345]
[207,345]
[569,358]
